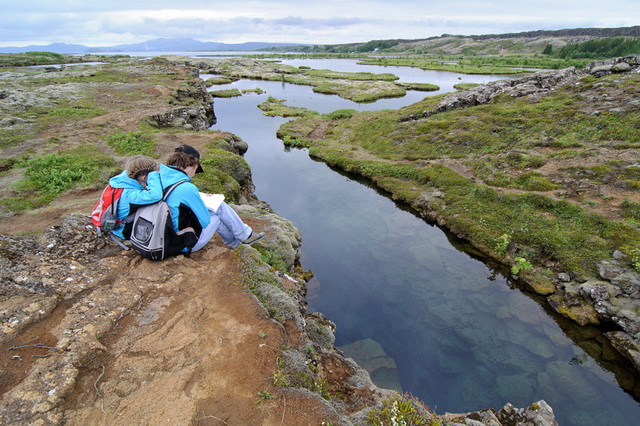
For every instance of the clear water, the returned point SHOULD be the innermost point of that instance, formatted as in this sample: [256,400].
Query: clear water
[453,332]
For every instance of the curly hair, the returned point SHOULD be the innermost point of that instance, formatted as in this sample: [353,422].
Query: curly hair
[140,165]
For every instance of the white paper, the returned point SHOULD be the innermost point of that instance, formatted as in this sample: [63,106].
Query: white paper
[212,201]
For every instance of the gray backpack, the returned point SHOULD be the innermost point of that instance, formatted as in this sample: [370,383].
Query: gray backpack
[152,232]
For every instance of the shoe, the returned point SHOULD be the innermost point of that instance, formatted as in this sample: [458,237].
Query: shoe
[254,238]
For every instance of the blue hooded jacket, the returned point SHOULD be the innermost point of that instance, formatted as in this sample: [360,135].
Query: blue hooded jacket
[134,194]
[184,202]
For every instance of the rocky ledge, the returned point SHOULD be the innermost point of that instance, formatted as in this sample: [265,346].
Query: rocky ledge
[79,316]
[537,83]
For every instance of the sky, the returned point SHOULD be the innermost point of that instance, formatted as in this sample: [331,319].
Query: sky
[111,22]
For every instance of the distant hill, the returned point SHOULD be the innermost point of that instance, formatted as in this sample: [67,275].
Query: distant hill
[529,42]
[156,45]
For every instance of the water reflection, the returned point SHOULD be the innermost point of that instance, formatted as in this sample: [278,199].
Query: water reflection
[442,325]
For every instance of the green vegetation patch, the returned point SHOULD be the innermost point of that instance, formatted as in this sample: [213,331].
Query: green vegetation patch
[132,143]
[46,177]
[422,87]
[509,64]
[403,410]
[216,181]
[218,80]
[361,76]
[356,86]
[228,93]
[465,86]
[226,173]
[273,107]
[361,91]
[77,112]
[31,59]
[13,137]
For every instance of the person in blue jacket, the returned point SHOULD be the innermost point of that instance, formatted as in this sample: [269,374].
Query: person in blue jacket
[141,185]
[188,209]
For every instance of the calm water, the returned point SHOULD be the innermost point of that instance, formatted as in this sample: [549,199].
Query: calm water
[439,323]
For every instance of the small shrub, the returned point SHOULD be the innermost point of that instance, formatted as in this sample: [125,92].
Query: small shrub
[280,379]
[635,259]
[630,209]
[402,410]
[502,243]
[263,396]
[520,264]
[270,256]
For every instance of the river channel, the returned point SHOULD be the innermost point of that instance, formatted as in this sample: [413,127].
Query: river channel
[431,319]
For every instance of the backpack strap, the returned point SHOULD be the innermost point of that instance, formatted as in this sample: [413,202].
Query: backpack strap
[167,191]
[170,189]
[117,240]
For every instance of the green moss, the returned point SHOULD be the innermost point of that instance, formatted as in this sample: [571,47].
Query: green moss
[216,181]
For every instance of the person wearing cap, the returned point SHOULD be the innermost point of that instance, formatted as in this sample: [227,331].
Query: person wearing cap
[140,183]
[188,149]
[188,209]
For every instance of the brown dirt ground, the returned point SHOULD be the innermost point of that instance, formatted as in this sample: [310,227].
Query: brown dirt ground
[196,349]
[196,352]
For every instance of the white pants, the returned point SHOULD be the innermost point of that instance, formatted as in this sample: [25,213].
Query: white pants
[226,222]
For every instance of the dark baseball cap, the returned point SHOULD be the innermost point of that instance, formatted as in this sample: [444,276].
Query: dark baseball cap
[188,149]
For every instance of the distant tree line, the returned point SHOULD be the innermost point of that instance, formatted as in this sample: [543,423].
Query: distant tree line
[574,32]
[602,48]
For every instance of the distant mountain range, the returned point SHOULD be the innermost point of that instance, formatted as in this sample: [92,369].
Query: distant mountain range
[156,45]
[190,45]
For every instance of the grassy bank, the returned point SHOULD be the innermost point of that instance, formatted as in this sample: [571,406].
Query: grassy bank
[504,175]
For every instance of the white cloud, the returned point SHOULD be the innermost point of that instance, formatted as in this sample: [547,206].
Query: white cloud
[100,23]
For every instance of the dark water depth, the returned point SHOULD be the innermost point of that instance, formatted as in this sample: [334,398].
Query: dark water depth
[437,322]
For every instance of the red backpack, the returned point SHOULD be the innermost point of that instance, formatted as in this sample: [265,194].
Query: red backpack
[105,213]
